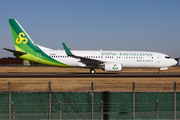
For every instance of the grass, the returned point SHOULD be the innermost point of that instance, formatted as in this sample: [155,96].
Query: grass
[84,84]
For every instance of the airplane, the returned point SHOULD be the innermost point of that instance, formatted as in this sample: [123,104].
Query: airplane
[106,60]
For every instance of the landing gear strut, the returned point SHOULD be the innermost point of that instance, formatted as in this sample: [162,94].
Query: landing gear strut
[92,71]
[159,71]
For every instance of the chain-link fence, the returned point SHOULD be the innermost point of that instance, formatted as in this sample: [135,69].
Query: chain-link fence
[89,105]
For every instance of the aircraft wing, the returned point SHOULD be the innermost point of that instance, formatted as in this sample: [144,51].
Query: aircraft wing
[89,62]
[15,52]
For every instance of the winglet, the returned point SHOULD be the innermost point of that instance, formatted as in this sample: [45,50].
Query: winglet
[68,52]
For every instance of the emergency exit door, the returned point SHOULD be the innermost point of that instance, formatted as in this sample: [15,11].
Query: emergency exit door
[38,56]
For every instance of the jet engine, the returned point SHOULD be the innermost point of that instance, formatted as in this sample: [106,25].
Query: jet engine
[112,67]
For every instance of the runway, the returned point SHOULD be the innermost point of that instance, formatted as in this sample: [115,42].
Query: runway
[75,79]
[86,75]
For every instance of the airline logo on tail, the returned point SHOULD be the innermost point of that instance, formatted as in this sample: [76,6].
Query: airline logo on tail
[21,39]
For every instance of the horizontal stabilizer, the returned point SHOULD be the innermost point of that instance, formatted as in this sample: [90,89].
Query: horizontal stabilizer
[15,52]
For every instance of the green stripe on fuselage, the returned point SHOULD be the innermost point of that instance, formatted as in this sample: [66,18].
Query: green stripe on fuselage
[42,60]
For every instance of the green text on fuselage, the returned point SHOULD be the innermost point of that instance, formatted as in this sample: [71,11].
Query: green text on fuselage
[126,54]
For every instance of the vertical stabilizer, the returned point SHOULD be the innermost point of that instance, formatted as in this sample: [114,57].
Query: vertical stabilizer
[27,49]
[22,40]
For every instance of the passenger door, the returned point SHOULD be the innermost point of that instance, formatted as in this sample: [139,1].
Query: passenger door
[38,56]
[158,58]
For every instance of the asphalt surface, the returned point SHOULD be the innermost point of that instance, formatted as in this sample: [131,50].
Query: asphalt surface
[85,75]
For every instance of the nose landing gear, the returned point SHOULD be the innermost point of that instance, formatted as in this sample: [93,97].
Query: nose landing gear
[92,71]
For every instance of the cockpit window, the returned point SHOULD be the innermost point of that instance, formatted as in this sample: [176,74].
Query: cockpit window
[167,57]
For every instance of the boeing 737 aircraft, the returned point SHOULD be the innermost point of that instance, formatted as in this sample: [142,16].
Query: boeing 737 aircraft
[105,60]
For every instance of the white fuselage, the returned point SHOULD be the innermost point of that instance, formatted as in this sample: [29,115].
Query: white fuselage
[128,59]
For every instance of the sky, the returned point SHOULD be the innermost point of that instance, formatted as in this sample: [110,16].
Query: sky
[121,25]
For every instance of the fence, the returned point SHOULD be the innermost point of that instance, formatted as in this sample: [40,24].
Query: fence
[89,105]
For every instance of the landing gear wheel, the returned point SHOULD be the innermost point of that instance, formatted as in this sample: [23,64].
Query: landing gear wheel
[92,71]
[159,71]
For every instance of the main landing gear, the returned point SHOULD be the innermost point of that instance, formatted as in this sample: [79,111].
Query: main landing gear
[92,71]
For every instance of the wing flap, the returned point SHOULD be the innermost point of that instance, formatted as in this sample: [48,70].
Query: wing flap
[90,62]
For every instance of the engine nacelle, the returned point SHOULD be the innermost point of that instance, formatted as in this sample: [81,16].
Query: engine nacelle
[112,67]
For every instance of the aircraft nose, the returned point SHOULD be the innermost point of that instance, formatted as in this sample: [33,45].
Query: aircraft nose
[174,62]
